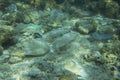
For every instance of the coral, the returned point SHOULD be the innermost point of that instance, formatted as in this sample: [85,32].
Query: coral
[111,55]
[112,46]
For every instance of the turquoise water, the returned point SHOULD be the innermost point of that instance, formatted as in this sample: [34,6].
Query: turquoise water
[59,40]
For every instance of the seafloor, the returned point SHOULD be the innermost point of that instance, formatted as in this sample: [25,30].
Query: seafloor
[59,39]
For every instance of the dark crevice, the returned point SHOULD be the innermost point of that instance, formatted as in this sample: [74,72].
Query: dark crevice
[59,1]
[9,42]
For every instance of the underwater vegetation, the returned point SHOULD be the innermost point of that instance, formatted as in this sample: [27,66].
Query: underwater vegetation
[59,40]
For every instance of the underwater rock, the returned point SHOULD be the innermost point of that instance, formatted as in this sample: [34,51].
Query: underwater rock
[48,67]
[104,28]
[34,72]
[4,68]
[14,60]
[31,16]
[101,36]
[116,74]
[69,77]
[20,69]
[4,22]
[97,71]
[35,48]
[85,26]
[10,13]
[45,66]
[26,28]
[74,67]
[11,8]
[54,34]
[4,58]
[79,13]
[57,16]
[34,16]
[5,32]
[26,32]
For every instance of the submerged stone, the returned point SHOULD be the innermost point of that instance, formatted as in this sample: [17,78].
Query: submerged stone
[5,32]
[101,36]
[54,34]
[85,26]
[64,40]
[35,48]
[1,50]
